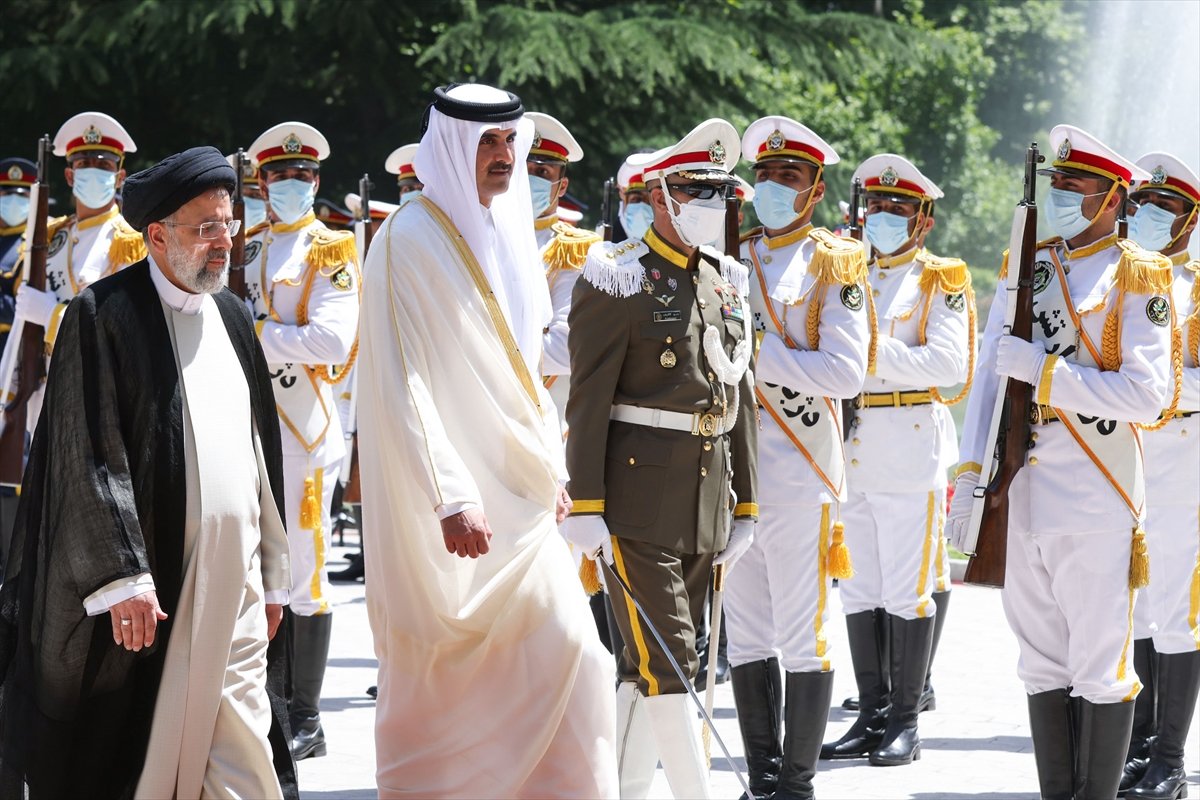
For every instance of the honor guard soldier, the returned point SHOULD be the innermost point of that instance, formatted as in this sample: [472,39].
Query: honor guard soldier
[810,310]
[636,213]
[400,164]
[252,195]
[17,175]
[563,246]
[303,282]
[1100,366]
[663,441]
[1165,219]
[93,242]
[899,450]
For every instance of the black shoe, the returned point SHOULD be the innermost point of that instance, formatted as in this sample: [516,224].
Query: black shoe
[373,692]
[868,653]
[308,738]
[928,701]
[850,703]
[355,572]
[911,641]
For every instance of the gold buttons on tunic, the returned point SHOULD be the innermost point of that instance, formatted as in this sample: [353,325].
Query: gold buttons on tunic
[854,461]
[1033,436]
[707,446]
[711,377]
[632,461]
[1033,461]
[875,292]
[670,339]
[766,259]
[703,472]
[856,440]
[882,275]
[702,302]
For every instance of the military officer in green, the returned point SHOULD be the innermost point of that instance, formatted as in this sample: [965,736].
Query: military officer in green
[663,440]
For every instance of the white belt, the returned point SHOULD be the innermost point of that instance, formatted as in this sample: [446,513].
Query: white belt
[696,423]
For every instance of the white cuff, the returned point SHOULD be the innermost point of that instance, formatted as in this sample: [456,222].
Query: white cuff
[450,509]
[118,591]
[277,597]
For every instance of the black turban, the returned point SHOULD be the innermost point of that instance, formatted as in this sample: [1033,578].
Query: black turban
[156,193]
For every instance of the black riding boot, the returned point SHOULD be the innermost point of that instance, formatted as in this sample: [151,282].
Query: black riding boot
[1145,662]
[758,695]
[1053,735]
[1178,686]
[868,653]
[1104,730]
[311,650]
[942,601]
[806,712]
[911,640]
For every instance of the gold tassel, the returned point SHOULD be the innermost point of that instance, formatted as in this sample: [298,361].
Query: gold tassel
[569,249]
[873,324]
[950,275]
[589,576]
[837,259]
[127,246]
[310,506]
[1003,267]
[837,562]
[331,250]
[1139,561]
[1177,371]
[1110,337]
[1142,272]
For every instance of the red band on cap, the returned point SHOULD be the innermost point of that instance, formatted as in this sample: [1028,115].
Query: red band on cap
[700,157]
[105,143]
[547,147]
[1185,189]
[906,187]
[274,153]
[407,171]
[765,151]
[1081,158]
[24,179]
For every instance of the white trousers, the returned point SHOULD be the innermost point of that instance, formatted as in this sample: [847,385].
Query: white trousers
[776,594]
[896,543]
[309,548]
[1068,601]
[1169,608]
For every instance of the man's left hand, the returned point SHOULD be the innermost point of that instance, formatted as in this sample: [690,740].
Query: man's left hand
[563,506]
[274,617]
[1019,359]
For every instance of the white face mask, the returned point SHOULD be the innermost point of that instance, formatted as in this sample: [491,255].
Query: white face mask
[698,222]
[95,188]
[14,209]
[256,211]
[291,199]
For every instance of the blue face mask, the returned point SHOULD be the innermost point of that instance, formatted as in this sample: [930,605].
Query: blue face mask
[539,194]
[1064,212]
[256,212]
[291,199]
[95,188]
[886,231]
[14,209]
[408,197]
[775,204]
[1150,227]
[636,219]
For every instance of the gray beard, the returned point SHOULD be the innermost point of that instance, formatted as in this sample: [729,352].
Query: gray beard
[191,269]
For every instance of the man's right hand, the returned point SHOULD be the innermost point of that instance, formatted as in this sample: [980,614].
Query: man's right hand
[135,621]
[589,535]
[467,533]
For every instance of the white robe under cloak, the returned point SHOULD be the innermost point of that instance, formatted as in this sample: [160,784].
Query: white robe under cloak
[492,679]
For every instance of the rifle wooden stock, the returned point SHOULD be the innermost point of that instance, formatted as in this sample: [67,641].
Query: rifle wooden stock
[31,364]
[987,564]
[237,256]
[849,405]
[352,492]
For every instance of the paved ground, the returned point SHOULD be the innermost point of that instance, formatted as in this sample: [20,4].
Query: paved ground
[975,745]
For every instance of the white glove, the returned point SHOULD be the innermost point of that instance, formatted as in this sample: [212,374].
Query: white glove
[740,539]
[35,306]
[1020,359]
[959,517]
[589,535]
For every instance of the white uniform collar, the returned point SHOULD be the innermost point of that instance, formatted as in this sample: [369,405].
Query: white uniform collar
[182,301]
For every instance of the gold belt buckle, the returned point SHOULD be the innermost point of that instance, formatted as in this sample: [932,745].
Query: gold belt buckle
[706,425]
[1035,414]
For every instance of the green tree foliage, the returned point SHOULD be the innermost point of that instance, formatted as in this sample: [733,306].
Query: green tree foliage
[958,86]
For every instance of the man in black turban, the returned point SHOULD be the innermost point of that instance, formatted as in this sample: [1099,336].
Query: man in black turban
[149,561]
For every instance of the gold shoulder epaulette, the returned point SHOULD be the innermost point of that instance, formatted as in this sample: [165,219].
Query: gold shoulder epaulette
[1052,241]
[569,247]
[55,223]
[948,274]
[329,250]
[753,233]
[616,268]
[837,259]
[127,246]
[1142,271]
[736,274]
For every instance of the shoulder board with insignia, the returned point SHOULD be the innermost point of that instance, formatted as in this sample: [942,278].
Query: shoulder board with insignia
[753,233]
[616,269]
[837,259]
[1141,271]
[569,247]
[329,250]
[128,246]
[943,273]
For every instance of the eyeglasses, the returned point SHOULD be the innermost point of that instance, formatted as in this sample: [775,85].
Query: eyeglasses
[700,191]
[212,230]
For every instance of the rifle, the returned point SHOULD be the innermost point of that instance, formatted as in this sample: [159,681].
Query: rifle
[237,256]
[733,232]
[31,365]
[608,210]
[352,493]
[987,533]
[855,229]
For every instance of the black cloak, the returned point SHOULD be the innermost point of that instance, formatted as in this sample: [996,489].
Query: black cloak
[103,497]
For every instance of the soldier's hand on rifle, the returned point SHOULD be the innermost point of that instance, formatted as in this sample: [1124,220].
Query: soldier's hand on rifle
[1019,359]
[740,539]
[960,509]
[35,306]
[467,533]
[589,535]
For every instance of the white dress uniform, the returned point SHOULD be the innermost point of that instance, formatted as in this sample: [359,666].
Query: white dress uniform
[771,606]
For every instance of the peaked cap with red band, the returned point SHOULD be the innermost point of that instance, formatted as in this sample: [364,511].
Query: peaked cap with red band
[708,153]
[1077,152]
[896,178]
[1168,176]
[93,132]
[630,178]
[400,163]
[289,144]
[783,139]
[20,173]
[552,142]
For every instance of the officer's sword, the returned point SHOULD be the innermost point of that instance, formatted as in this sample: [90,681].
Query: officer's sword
[687,684]
[714,639]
